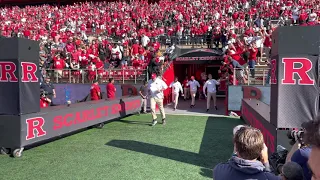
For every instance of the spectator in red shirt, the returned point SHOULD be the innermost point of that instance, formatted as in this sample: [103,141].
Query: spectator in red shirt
[252,59]
[99,66]
[111,89]
[44,101]
[58,65]
[135,48]
[95,91]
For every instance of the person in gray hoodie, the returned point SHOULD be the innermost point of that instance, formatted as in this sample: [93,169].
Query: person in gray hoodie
[249,147]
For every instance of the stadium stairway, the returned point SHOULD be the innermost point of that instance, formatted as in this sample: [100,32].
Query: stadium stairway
[261,72]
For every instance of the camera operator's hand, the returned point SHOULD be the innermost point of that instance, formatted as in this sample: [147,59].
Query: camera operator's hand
[294,148]
[264,155]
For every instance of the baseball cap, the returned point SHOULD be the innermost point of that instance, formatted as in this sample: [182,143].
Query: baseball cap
[153,75]
[237,128]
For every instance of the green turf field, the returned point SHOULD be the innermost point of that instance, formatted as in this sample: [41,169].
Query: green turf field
[188,147]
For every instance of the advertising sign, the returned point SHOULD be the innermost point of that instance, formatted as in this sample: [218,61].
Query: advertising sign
[56,121]
[294,90]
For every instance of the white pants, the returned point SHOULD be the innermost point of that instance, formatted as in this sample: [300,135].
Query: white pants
[144,104]
[214,97]
[175,98]
[153,103]
[193,97]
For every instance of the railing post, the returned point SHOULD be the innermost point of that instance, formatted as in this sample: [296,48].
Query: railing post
[122,76]
[96,74]
[69,75]
[147,73]
[263,78]
[248,75]
[82,74]
[234,76]
[261,54]
[57,76]
[135,76]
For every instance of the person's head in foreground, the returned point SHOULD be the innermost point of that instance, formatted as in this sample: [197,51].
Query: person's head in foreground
[192,78]
[96,82]
[312,137]
[249,146]
[209,76]
[249,143]
[292,171]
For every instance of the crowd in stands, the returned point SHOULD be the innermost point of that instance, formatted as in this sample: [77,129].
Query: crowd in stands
[94,36]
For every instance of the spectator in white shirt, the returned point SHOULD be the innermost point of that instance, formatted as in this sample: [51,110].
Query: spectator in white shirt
[211,87]
[145,41]
[312,16]
[259,40]
[176,88]
[156,86]
[194,85]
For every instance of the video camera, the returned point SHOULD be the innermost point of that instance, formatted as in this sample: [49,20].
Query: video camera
[296,135]
[278,159]
[43,93]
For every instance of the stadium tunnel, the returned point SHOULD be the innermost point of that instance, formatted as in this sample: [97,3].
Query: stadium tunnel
[192,62]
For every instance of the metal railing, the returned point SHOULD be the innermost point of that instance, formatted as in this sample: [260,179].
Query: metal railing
[132,75]
[250,76]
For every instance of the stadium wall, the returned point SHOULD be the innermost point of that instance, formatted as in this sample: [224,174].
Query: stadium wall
[237,93]
[77,92]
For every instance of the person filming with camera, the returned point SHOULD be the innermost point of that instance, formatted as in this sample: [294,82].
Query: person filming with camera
[44,100]
[306,150]
[49,89]
[300,152]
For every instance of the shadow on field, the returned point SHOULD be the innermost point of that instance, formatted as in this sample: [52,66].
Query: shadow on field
[134,122]
[216,146]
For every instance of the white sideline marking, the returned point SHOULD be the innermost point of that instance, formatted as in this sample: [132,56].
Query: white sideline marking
[199,114]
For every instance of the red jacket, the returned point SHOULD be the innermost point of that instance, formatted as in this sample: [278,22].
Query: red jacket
[94,91]
[43,103]
[111,91]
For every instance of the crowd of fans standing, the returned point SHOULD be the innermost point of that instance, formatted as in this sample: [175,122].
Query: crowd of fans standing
[94,36]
